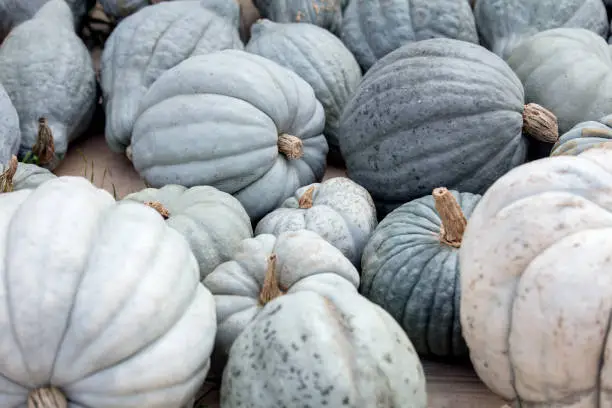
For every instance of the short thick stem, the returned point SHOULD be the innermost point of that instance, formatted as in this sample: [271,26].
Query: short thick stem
[270,289]
[291,146]
[540,123]
[6,177]
[159,207]
[48,397]
[44,148]
[305,200]
[453,219]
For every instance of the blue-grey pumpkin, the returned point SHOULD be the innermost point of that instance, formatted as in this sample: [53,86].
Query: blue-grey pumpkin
[410,267]
[16,176]
[323,13]
[10,134]
[437,112]
[235,121]
[317,56]
[584,136]
[502,24]
[373,28]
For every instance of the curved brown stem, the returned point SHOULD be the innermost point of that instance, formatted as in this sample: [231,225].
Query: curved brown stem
[453,219]
[291,146]
[159,207]
[270,289]
[44,148]
[49,397]
[305,200]
[6,177]
[540,123]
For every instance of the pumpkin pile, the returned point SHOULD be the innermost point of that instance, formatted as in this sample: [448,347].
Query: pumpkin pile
[472,226]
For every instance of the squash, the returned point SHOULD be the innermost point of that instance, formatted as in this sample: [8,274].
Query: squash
[326,14]
[213,222]
[503,24]
[147,44]
[339,210]
[410,267]
[568,70]
[20,176]
[10,134]
[101,303]
[55,101]
[256,136]
[317,56]
[308,350]
[437,112]
[536,288]
[584,136]
[372,29]
[267,266]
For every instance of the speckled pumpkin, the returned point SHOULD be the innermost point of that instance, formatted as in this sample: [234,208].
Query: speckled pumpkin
[323,13]
[373,28]
[307,350]
[10,134]
[437,112]
[584,136]
[213,222]
[339,210]
[410,267]
[16,176]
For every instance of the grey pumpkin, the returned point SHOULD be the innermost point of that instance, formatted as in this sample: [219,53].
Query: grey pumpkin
[437,112]
[235,121]
[55,101]
[15,176]
[10,134]
[502,24]
[584,136]
[323,13]
[373,28]
[148,43]
[317,56]
[410,267]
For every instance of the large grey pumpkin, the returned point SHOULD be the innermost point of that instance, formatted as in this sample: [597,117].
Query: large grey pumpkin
[16,176]
[339,210]
[213,222]
[49,78]
[410,267]
[323,13]
[308,350]
[235,121]
[266,267]
[503,24]
[568,70]
[10,134]
[585,135]
[317,56]
[148,43]
[373,28]
[437,112]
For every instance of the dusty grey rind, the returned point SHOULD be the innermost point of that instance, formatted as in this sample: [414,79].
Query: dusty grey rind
[10,133]
[373,28]
[317,56]
[52,77]
[323,13]
[148,43]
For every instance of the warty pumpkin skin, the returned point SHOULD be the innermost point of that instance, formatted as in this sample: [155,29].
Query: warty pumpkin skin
[568,70]
[213,222]
[503,24]
[235,121]
[372,29]
[10,134]
[437,112]
[266,267]
[309,350]
[584,136]
[51,82]
[317,56]
[326,14]
[15,176]
[339,210]
[101,302]
[536,285]
[148,43]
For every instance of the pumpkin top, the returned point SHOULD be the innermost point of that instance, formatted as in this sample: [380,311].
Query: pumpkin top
[44,148]
[290,146]
[50,397]
[451,215]
[6,177]
[540,123]
[270,289]
[305,200]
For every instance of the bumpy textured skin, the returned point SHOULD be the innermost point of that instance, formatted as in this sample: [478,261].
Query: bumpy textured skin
[213,222]
[52,77]
[323,13]
[148,43]
[99,299]
[584,136]
[567,70]
[373,28]
[10,134]
[235,105]
[342,212]
[502,24]
[317,56]
[414,276]
[433,113]
[28,176]
[536,293]
[305,262]
[283,358]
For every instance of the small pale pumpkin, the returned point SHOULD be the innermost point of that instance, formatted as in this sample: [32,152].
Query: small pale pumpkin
[16,176]
[583,136]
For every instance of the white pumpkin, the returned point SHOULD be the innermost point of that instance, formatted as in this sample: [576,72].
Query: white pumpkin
[536,284]
[100,303]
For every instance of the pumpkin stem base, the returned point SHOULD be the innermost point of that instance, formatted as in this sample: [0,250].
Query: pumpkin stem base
[305,201]
[453,219]
[291,146]
[540,123]
[47,397]
[159,207]
[6,177]
[44,148]
[270,289]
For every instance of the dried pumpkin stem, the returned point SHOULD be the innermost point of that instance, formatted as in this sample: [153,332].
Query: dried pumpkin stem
[44,148]
[290,146]
[159,207]
[270,289]
[48,397]
[453,220]
[305,200]
[6,177]
[540,123]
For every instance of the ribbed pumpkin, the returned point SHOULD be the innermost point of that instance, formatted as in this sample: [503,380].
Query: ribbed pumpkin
[16,176]
[584,136]
[323,13]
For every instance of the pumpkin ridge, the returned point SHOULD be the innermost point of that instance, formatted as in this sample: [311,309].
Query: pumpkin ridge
[6,177]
